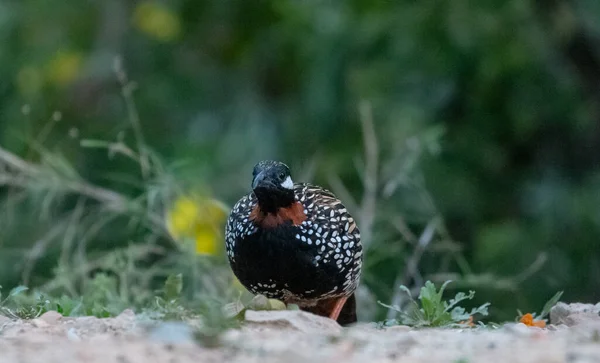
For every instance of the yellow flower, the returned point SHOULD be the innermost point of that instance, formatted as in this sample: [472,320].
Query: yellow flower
[200,220]
[157,21]
[64,67]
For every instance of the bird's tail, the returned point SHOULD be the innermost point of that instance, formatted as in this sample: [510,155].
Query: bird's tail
[325,307]
[348,314]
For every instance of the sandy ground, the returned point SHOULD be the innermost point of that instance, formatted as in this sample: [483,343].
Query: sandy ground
[293,336]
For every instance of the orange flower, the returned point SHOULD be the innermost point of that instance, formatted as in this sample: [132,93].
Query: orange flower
[468,322]
[527,319]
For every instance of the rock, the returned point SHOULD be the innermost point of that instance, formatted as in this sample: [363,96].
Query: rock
[172,333]
[520,329]
[275,304]
[574,314]
[51,317]
[123,322]
[259,302]
[298,320]
[39,323]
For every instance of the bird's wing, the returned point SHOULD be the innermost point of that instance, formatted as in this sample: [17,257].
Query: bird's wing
[237,222]
[334,232]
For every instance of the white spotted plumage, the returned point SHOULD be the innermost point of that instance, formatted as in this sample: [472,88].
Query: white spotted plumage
[329,230]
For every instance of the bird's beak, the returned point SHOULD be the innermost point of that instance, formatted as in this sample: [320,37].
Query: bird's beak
[258,180]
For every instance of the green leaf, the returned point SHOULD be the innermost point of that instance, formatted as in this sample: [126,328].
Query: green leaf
[482,310]
[406,290]
[90,143]
[173,287]
[429,300]
[17,290]
[391,307]
[443,288]
[459,298]
[233,309]
[548,306]
[434,311]
[459,314]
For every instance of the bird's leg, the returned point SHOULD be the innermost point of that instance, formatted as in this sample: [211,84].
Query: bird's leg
[337,308]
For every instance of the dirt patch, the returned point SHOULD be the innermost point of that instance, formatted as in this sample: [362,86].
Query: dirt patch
[290,337]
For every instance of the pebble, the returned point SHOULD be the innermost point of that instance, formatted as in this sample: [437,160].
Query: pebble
[276,304]
[520,329]
[298,320]
[51,317]
[39,323]
[574,314]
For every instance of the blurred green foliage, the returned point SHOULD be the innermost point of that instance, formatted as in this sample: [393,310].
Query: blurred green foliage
[486,121]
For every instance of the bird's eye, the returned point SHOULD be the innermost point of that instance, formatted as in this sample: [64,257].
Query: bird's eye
[281,175]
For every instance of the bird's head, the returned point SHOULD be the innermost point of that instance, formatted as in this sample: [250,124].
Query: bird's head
[272,185]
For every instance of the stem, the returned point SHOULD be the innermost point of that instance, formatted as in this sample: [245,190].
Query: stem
[112,200]
[127,89]
[369,201]
[413,264]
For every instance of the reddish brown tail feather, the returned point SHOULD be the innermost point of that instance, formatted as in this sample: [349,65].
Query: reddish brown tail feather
[347,315]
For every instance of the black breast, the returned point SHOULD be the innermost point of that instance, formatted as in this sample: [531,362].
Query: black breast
[273,262]
[320,258]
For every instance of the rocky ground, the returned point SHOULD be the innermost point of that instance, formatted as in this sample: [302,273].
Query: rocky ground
[293,336]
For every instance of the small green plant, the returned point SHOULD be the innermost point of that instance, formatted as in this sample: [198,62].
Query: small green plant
[22,303]
[16,306]
[167,303]
[533,319]
[434,311]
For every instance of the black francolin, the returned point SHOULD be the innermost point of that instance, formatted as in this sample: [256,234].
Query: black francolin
[296,243]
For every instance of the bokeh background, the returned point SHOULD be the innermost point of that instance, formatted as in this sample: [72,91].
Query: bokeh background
[464,136]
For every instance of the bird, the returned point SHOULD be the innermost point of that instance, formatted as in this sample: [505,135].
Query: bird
[295,242]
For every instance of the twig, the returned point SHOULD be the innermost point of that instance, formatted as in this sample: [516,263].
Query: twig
[91,231]
[412,264]
[15,162]
[37,250]
[71,231]
[97,193]
[399,223]
[127,89]
[110,199]
[369,200]
[540,261]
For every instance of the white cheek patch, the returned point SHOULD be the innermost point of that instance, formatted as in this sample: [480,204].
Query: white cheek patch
[288,183]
